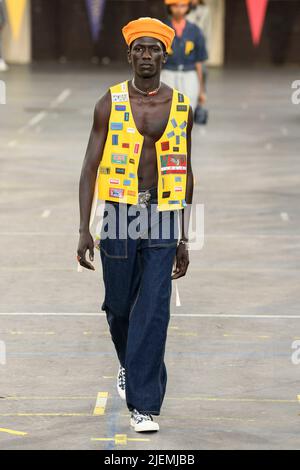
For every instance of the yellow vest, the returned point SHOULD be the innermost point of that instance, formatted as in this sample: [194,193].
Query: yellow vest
[118,170]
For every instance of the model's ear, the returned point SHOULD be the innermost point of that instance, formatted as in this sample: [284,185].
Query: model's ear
[129,56]
[166,55]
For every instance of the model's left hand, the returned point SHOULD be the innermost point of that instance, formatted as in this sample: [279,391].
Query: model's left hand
[182,262]
[202,98]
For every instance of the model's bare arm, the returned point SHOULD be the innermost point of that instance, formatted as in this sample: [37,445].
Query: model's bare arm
[182,255]
[88,177]
[202,96]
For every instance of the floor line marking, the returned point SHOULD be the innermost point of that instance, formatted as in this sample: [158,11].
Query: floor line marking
[185,315]
[43,114]
[210,418]
[240,400]
[119,439]
[12,432]
[101,403]
[63,96]
[12,143]
[178,302]
[21,398]
[191,398]
[46,214]
[37,119]
[251,236]
[49,415]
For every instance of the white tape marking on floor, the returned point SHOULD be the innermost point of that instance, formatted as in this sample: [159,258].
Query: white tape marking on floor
[178,303]
[186,315]
[37,119]
[64,95]
[284,216]
[46,214]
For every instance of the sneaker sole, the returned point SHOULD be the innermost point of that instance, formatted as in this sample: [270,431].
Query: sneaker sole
[121,393]
[146,426]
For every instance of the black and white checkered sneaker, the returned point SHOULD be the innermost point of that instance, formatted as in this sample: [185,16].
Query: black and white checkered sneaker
[142,422]
[121,383]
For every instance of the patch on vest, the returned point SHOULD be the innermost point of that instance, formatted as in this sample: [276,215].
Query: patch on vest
[116,126]
[166,194]
[181,108]
[120,171]
[115,139]
[116,193]
[112,181]
[119,107]
[165,146]
[131,193]
[120,97]
[119,158]
[173,164]
[104,170]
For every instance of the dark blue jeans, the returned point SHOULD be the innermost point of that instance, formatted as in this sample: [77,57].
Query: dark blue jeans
[137,278]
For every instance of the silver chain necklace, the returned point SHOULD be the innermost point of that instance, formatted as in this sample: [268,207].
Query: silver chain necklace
[146,93]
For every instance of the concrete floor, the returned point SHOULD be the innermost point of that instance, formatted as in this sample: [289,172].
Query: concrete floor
[231,380]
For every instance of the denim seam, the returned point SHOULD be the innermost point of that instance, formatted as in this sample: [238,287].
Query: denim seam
[153,245]
[136,299]
[116,257]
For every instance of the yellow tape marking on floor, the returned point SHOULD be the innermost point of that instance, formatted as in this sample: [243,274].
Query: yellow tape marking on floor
[12,432]
[50,415]
[119,439]
[245,400]
[100,404]
[87,397]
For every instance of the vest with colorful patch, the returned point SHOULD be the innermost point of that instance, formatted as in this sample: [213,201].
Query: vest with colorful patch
[118,170]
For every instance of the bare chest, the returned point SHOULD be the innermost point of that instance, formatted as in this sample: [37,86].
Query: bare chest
[151,116]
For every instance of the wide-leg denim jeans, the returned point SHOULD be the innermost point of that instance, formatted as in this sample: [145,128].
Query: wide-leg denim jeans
[137,278]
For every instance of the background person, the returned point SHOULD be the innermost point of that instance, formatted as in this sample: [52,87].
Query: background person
[184,69]
[200,15]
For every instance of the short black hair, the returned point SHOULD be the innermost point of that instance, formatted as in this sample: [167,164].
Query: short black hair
[169,11]
[162,44]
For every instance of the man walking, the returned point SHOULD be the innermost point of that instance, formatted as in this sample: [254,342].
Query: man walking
[139,154]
